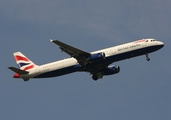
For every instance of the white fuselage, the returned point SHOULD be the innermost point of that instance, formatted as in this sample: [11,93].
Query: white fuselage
[112,54]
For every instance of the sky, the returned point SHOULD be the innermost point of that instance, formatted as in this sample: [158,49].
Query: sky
[142,90]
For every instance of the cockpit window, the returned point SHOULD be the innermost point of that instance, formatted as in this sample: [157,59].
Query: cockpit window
[153,40]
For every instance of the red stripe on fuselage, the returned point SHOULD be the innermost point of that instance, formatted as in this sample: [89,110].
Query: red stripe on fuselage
[21,58]
[140,41]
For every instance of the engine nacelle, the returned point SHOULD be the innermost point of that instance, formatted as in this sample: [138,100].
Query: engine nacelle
[97,57]
[112,70]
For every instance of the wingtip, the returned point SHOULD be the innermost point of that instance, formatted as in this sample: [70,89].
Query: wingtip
[51,40]
[9,67]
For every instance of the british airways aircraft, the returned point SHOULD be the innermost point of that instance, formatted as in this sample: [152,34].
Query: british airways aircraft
[96,63]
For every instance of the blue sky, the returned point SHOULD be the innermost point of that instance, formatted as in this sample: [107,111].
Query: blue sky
[140,91]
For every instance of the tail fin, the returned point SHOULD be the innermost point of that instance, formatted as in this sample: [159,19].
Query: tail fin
[23,62]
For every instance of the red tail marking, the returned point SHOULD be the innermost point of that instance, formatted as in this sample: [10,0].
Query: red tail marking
[29,67]
[16,75]
[17,57]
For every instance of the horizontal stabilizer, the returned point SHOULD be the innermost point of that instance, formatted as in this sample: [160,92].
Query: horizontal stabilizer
[19,71]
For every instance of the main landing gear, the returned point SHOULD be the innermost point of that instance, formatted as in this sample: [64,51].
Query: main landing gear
[147,58]
[94,77]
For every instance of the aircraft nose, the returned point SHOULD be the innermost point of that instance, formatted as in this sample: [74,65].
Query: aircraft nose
[161,44]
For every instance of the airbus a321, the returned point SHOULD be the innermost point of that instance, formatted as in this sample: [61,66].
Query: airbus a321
[97,63]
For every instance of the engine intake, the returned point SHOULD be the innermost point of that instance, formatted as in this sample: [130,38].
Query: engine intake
[97,57]
[112,70]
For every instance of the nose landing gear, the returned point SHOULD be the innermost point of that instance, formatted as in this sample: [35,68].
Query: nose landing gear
[147,58]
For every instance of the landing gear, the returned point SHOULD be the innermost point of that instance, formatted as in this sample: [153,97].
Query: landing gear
[147,58]
[94,77]
[97,75]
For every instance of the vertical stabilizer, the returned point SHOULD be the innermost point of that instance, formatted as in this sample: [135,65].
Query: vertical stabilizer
[23,62]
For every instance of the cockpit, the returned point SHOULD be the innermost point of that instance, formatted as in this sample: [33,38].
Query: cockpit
[153,40]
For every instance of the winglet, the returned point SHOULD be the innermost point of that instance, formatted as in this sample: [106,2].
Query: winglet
[51,40]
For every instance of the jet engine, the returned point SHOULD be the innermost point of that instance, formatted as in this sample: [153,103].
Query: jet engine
[97,57]
[112,70]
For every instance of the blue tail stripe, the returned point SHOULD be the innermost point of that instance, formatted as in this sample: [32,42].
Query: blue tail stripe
[23,64]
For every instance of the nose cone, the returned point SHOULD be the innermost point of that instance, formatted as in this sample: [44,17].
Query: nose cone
[161,44]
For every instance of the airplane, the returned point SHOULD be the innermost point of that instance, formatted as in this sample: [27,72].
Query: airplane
[97,63]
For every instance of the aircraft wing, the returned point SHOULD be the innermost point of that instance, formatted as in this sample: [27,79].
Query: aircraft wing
[80,55]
